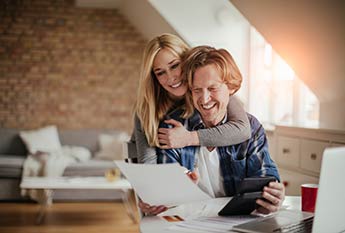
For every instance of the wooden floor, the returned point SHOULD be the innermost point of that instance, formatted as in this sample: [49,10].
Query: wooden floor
[68,217]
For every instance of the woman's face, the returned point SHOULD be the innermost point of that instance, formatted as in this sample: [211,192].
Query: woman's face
[167,69]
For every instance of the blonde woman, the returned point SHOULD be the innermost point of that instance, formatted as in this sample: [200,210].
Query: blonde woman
[162,89]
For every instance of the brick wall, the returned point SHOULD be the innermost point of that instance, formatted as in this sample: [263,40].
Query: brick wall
[72,67]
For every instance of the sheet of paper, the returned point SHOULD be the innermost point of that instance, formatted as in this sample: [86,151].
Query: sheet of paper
[161,184]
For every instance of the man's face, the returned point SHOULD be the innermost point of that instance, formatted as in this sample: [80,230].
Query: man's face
[210,95]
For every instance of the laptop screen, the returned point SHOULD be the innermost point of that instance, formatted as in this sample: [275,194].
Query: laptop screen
[330,202]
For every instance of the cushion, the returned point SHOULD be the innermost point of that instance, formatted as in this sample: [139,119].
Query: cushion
[111,146]
[81,154]
[45,139]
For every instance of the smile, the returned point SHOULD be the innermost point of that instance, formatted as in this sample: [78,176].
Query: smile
[208,106]
[176,85]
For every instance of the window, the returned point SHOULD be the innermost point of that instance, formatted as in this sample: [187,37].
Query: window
[276,94]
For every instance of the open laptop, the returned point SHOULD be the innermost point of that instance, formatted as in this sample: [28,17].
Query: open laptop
[330,203]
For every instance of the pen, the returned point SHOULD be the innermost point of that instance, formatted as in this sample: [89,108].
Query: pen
[187,172]
[191,175]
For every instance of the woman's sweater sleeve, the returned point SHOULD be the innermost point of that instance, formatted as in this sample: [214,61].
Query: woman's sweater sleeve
[234,131]
[146,154]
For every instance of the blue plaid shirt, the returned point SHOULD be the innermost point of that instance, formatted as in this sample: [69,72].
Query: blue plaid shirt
[247,159]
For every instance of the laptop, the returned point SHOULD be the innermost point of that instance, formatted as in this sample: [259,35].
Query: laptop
[330,204]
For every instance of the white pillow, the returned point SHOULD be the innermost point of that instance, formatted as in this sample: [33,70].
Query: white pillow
[81,154]
[111,146]
[44,139]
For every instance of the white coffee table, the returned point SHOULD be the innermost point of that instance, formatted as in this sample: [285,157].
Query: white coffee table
[76,183]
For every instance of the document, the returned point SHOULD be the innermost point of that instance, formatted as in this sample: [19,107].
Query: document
[161,184]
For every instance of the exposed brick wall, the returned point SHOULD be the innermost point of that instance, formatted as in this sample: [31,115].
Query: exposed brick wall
[72,67]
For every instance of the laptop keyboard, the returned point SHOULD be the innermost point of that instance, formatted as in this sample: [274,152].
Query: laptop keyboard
[303,227]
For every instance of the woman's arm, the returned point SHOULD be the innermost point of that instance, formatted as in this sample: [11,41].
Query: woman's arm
[234,131]
[146,154]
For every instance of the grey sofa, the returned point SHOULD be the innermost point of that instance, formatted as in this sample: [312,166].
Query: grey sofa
[13,153]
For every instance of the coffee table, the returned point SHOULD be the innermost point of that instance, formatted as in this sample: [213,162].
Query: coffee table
[49,184]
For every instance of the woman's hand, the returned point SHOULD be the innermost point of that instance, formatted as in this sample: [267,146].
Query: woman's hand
[176,137]
[274,196]
[151,210]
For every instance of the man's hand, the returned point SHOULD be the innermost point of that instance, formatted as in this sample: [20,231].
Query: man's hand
[193,175]
[151,210]
[176,137]
[274,196]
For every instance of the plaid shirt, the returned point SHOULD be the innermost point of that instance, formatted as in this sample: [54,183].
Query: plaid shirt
[247,159]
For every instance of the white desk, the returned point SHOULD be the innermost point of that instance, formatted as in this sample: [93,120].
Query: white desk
[74,183]
[156,224]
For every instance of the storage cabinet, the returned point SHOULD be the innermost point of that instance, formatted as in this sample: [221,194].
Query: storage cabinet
[311,154]
[298,153]
[288,151]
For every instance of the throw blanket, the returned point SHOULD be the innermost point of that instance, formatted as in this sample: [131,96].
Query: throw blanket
[51,164]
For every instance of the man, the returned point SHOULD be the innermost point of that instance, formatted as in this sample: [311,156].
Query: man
[211,74]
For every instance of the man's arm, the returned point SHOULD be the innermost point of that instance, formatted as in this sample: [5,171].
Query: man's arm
[274,193]
[259,161]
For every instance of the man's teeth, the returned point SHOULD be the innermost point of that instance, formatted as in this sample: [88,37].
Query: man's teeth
[176,85]
[208,106]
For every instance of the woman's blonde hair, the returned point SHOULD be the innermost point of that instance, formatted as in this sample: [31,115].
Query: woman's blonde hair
[153,101]
[201,56]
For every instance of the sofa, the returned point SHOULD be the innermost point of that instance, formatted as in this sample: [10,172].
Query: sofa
[13,153]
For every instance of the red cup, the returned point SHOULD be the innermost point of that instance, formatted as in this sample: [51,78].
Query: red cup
[309,195]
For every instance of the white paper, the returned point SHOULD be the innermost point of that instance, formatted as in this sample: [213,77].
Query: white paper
[161,184]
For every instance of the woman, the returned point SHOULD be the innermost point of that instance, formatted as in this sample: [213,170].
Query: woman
[161,89]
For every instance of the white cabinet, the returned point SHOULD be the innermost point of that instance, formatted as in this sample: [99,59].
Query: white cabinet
[311,154]
[288,151]
[299,153]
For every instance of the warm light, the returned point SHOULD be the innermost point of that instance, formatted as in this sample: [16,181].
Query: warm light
[268,55]
[284,71]
[277,95]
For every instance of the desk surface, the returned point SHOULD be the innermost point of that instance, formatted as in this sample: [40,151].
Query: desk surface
[153,224]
